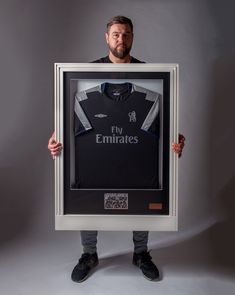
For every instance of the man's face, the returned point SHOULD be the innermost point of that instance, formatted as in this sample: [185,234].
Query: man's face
[119,39]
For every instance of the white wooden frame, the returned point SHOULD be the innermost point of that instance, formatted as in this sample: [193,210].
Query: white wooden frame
[117,222]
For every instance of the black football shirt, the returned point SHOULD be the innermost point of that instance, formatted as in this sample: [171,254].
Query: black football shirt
[117,132]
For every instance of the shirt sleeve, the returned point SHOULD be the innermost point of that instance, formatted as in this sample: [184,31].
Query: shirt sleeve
[81,122]
[151,123]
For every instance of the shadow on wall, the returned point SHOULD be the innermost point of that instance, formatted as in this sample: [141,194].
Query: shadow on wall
[20,200]
[222,234]
[223,162]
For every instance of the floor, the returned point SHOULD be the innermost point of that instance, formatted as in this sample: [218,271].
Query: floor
[41,267]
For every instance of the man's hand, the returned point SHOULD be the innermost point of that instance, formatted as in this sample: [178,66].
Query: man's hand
[178,147]
[54,146]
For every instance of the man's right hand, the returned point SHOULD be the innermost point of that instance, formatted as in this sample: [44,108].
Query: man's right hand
[54,146]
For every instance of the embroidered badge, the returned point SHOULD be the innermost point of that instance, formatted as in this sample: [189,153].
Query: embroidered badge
[132,116]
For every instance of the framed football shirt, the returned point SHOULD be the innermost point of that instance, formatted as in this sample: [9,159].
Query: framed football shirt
[116,123]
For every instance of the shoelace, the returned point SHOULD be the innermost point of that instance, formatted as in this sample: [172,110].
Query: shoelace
[84,259]
[146,259]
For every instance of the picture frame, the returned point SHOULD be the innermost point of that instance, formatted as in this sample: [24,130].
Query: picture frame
[104,174]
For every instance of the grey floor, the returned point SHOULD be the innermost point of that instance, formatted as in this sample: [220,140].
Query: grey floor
[40,267]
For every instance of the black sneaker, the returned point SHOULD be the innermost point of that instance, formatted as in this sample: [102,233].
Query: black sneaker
[143,260]
[82,269]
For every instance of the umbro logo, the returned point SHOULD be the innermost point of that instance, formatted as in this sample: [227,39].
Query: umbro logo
[100,116]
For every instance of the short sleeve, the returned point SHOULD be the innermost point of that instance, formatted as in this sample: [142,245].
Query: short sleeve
[151,123]
[81,122]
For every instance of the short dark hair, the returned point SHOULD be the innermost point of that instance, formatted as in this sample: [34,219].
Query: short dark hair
[120,19]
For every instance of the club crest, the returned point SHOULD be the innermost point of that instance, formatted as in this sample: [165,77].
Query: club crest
[132,116]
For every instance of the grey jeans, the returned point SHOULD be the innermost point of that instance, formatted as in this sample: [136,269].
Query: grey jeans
[89,241]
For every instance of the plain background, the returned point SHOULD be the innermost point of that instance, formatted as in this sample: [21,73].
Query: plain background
[199,35]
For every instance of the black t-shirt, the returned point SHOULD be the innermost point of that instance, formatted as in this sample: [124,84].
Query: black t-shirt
[117,137]
[107,60]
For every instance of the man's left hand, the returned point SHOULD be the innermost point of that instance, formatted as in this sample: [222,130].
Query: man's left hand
[178,147]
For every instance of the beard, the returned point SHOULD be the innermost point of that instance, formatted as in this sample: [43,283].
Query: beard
[121,52]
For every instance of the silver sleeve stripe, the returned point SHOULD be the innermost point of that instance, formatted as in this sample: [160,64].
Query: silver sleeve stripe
[93,89]
[81,115]
[154,111]
[150,95]
[82,95]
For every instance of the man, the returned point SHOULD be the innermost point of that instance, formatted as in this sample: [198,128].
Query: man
[119,38]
